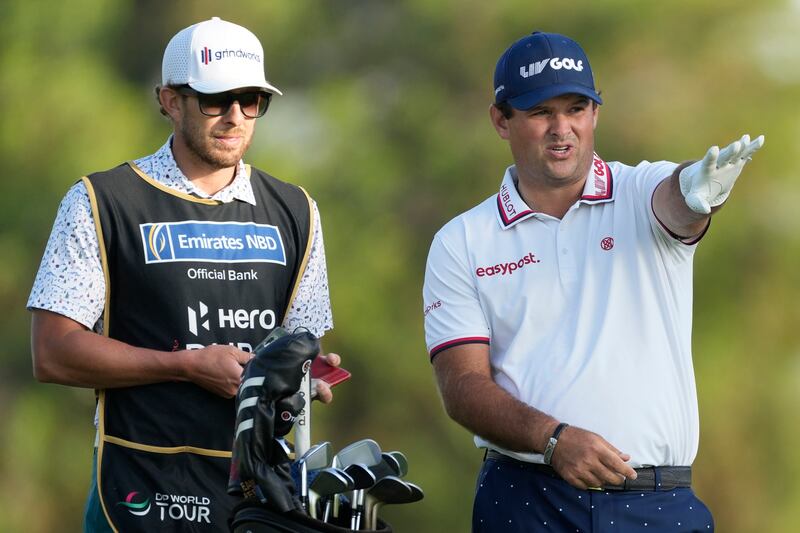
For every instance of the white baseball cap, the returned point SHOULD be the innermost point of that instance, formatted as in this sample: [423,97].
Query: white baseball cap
[215,56]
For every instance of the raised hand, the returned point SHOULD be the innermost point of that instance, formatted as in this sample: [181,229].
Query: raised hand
[708,182]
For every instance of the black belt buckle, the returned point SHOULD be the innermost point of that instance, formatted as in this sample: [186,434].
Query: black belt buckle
[653,478]
[645,480]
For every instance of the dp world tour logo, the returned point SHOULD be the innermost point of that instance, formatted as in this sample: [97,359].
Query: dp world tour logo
[135,508]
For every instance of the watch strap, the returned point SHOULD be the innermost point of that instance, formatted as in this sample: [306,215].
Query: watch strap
[551,444]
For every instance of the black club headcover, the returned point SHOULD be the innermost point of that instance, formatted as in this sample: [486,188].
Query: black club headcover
[286,411]
[260,467]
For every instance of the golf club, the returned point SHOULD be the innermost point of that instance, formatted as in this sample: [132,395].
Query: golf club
[326,482]
[366,452]
[362,478]
[389,490]
[401,461]
[317,457]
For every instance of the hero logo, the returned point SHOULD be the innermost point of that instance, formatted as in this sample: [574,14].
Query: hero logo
[556,63]
[193,318]
[230,318]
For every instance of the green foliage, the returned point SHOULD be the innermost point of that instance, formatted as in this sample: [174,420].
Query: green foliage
[385,122]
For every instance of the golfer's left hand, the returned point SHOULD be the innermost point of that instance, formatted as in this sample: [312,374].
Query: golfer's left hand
[708,182]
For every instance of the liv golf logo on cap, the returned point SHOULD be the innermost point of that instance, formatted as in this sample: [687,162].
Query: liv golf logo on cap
[556,63]
[541,66]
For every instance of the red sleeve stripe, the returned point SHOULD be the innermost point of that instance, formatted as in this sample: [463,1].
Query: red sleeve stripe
[457,342]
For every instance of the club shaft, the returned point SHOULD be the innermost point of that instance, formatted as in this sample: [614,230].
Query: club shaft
[302,427]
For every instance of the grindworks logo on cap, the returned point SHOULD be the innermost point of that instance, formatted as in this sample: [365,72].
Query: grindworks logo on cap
[207,55]
[138,508]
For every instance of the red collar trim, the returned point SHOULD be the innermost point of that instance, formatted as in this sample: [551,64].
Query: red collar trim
[599,184]
[511,208]
[509,203]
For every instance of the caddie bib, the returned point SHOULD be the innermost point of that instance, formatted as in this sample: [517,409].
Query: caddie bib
[182,273]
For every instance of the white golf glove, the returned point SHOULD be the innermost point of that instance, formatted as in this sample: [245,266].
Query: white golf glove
[708,182]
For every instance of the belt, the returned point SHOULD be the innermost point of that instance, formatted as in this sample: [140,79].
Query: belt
[650,478]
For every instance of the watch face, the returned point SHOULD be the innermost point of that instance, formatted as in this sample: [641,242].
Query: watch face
[548,451]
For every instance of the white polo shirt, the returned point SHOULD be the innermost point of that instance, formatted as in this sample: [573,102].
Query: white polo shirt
[588,318]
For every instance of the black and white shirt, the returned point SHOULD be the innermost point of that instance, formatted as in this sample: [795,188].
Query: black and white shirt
[70,279]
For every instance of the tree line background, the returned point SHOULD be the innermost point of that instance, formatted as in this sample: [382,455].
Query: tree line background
[385,122]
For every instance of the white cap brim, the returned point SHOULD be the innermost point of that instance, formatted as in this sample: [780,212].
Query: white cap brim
[212,88]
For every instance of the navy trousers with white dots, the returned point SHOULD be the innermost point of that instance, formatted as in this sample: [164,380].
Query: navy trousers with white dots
[511,498]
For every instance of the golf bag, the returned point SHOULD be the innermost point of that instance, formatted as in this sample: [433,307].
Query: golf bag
[259,519]
[267,404]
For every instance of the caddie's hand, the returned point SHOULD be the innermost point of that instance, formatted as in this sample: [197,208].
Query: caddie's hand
[708,182]
[216,368]
[319,388]
[586,460]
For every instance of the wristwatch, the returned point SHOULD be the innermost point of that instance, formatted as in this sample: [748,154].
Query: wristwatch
[551,444]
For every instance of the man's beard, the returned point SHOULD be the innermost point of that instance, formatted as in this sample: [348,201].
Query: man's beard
[215,157]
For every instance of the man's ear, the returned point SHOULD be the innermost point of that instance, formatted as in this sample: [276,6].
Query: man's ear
[169,99]
[499,121]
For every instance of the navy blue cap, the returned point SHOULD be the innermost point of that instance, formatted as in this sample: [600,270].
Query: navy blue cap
[541,66]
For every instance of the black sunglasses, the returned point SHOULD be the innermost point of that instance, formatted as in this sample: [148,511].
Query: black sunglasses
[253,103]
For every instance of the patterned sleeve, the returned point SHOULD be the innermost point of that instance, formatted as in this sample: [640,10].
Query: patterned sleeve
[70,279]
[311,307]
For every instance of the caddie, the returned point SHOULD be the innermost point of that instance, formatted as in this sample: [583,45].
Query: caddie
[159,278]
